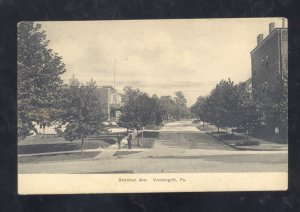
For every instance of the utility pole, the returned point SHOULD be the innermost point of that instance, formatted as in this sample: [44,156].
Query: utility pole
[115,73]
[115,67]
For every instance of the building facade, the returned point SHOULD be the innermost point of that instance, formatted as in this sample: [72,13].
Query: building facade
[111,103]
[269,61]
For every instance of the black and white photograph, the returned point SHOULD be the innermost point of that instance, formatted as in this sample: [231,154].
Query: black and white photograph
[152,105]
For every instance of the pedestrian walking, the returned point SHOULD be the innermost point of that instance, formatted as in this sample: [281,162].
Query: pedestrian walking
[119,141]
[129,139]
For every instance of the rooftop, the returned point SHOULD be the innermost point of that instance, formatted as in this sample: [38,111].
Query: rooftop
[267,38]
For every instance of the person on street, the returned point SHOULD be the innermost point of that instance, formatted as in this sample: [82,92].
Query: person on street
[129,139]
[119,141]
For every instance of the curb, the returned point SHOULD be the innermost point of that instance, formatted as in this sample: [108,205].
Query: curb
[241,148]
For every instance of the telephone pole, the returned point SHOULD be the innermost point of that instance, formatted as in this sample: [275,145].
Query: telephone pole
[115,73]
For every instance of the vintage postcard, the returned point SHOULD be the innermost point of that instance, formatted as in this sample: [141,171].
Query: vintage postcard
[152,106]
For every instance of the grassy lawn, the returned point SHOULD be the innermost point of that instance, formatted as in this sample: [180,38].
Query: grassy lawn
[57,157]
[190,140]
[40,145]
[236,140]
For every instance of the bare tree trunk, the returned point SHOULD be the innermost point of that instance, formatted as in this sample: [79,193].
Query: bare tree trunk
[82,145]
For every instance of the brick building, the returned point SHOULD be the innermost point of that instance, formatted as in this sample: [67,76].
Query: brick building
[269,61]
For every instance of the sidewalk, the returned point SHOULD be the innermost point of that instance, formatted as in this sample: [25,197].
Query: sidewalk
[103,152]
[111,150]
[240,143]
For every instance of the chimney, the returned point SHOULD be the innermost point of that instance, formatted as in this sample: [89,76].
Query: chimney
[260,38]
[271,27]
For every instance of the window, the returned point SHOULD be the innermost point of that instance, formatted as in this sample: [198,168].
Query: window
[267,61]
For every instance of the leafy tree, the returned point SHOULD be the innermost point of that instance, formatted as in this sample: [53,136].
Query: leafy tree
[199,108]
[275,109]
[180,105]
[82,113]
[247,111]
[129,111]
[228,105]
[158,110]
[139,109]
[180,98]
[39,82]
[221,104]
[282,108]
[167,107]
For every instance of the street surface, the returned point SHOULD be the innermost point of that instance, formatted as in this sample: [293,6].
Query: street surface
[180,148]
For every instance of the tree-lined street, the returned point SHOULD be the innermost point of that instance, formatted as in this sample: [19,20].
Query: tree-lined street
[224,128]
[180,147]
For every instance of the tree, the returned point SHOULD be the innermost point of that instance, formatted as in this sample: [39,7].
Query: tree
[180,105]
[82,112]
[198,109]
[247,111]
[276,110]
[139,109]
[39,82]
[228,105]
[180,98]
[221,104]
[167,107]
[282,107]
[129,111]
[159,110]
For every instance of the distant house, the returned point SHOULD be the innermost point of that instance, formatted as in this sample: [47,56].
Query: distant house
[111,102]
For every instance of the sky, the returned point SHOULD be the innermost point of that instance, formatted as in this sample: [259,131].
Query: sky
[158,56]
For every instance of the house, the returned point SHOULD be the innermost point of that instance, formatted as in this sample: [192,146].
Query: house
[109,99]
[111,103]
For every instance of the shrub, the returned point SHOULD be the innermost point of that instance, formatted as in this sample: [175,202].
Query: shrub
[149,134]
[147,142]
[59,132]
